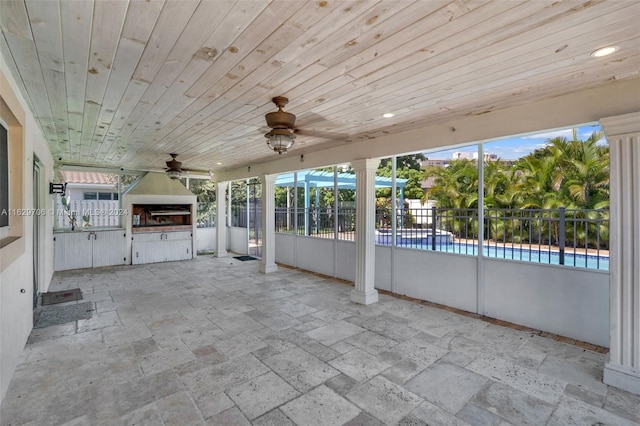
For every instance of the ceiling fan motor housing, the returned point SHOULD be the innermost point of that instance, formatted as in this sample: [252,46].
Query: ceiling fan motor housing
[173,164]
[280,119]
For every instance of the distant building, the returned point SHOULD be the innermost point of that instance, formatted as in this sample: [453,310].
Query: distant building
[430,181]
[444,162]
[464,155]
[474,156]
[440,162]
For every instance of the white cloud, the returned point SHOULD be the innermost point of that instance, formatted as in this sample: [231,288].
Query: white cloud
[527,148]
[567,133]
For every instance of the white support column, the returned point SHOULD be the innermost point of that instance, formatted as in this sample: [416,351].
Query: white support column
[622,368]
[221,223]
[268,262]
[365,293]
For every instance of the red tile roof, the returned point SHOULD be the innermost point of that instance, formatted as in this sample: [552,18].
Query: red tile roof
[88,177]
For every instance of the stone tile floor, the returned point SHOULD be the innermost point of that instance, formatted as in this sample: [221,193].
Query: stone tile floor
[212,341]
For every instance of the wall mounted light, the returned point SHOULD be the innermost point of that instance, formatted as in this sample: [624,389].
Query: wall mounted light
[57,188]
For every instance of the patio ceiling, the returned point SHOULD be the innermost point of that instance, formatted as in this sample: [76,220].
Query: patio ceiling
[124,83]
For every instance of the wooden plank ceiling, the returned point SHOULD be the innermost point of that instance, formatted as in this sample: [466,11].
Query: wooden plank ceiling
[124,83]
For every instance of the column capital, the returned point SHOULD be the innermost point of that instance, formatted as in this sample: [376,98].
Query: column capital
[268,179]
[621,124]
[366,164]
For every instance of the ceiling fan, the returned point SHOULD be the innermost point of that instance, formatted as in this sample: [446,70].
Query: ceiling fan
[175,169]
[280,137]
[283,131]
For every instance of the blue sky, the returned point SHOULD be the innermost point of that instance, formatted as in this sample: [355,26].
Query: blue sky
[516,147]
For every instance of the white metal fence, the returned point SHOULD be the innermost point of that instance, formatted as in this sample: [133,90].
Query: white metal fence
[101,213]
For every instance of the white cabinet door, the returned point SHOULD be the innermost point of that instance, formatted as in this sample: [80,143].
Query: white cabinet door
[180,249]
[72,250]
[155,247]
[182,235]
[149,252]
[109,248]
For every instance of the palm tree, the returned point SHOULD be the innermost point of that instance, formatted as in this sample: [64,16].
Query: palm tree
[456,188]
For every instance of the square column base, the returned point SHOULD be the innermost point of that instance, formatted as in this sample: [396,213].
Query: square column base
[267,269]
[222,253]
[627,379]
[364,298]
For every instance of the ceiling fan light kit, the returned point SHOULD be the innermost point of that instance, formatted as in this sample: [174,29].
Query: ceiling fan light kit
[281,136]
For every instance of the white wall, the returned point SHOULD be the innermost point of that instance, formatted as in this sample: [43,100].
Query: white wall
[448,279]
[571,302]
[285,249]
[346,260]
[315,254]
[566,301]
[16,312]
[384,274]
[206,239]
[237,240]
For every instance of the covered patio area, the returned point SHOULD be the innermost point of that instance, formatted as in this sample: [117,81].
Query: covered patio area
[212,341]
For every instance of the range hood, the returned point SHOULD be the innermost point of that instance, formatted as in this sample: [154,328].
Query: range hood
[154,183]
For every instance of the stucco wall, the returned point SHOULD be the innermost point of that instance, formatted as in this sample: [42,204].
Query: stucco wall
[315,254]
[285,249]
[237,239]
[206,239]
[566,301]
[16,308]
[443,278]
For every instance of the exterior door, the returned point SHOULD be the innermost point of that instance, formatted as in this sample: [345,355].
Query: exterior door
[36,231]
[254,192]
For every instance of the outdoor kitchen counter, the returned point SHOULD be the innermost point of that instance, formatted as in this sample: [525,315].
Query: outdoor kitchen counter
[88,229]
[165,228]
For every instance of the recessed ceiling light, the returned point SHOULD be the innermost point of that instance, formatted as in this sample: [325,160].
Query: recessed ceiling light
[604,51]
[388,115]
[219,164]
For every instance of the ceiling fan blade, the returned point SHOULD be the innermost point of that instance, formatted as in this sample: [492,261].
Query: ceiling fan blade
[321,134]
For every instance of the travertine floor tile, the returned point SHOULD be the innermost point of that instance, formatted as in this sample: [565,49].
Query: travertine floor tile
[446,385]
[262,394]
[321,407]
[384,399]
[213,341]
[301,369]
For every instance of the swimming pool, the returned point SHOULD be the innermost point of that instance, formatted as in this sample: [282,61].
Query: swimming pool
[516,253]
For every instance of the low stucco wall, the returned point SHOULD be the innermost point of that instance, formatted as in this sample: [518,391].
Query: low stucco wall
[206,239]
[237,240]
[566,301]
[442,278]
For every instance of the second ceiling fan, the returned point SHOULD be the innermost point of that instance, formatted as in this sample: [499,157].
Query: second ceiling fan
[175,169]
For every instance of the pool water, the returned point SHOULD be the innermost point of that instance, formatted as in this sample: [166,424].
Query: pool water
[516,253]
